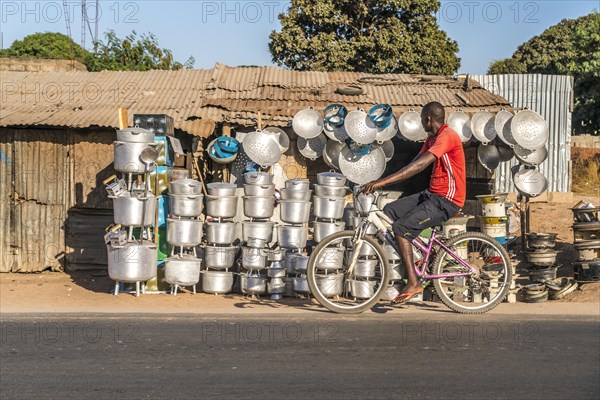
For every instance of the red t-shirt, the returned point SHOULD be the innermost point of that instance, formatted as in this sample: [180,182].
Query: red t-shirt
[449,177]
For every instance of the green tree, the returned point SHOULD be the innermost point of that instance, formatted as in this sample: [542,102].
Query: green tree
[47,45]
[572,47]
[377,36]
[133,53]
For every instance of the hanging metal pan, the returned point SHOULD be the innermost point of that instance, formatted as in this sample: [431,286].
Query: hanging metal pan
[461,123]
[387,133]
[262,148]
[488,156]
[362,169]
[410,128]
[482,126]
[529,129]
[360,127]
[337,133]
[506,153]
[307,123]
[280,136]
[502,122]
[331,154]
[530,182]
[312,148]
[531,157]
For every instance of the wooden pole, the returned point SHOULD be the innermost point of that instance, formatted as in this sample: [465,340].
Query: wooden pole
[123,117]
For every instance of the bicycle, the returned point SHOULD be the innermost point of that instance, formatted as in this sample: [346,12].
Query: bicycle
[348,272]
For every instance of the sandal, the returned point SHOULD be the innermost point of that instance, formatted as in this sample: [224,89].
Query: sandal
[406,297]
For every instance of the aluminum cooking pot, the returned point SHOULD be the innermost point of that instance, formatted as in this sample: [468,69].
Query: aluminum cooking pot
[292,237]
[221,206]
[330,258]
[135,135]
[324,229]
[257,229]
[330,285]
[185,186]
[257,243]
[331,178]
[361,289]
[482,126]
[220,232]
[531,157]
[253,284]
[184,232]
[301,263]
[253,258]
[461,124]
[301,285]
[297,184]
[294,211]
[529,182]
[219,257]
[259,190]
[221,189]
[217,282]
[261,207]
[133,262]
[131,211]
[365,268]
[391,292]
[329,207]
[127,156]
[258,178]
[307,123]
[330,191]
[291,194]
[182,270]
[186,205]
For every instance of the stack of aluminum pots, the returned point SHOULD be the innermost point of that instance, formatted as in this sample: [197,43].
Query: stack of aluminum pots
[493,219]
[184,233]
[257,232]
[397,271]
[131,259]
[294,208]
[541,256]
[220,252]
[586,232]
[328,208]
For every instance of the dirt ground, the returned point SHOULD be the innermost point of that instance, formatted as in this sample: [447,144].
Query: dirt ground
[89,291]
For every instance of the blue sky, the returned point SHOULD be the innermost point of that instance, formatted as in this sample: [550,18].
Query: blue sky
[236,32]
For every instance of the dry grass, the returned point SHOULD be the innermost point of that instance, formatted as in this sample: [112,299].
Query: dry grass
[586,170]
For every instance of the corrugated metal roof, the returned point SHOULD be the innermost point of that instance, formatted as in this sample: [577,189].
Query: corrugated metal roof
[82,99]
[551,96]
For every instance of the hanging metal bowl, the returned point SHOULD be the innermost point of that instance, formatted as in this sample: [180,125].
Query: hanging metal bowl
[280,137]
[387,133]
[506,153]
[388,149]
[312,148]
[530,182]
[530,157]
[488,156]
[337,133]
[362,169]
[410,127]
[529,129]
[262,148]
[335,115]
[360,127]
[307,123]
[461,124]
[331,154]
[502,122]
[482,126]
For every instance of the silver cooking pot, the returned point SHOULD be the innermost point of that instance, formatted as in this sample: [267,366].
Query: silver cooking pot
[294,211]
[259,206]
[253,258]
[127,157]
[258,178]
[290,194]
[131,211]
[323,229]
[253,284]
[184,232]
[220,232]
[135,135]
[331,179]
[221,206]
[220,257]
[133,262]
[257,229]
[185,186]
[182,270]
[221,189]
[330,285]
[365,268]
[301,263]
[297,184]
[330,191]
[361,289]
[186,205]
[330,258]
[292,237]
[217,282]
[328,207]
[259,190]
[301,285]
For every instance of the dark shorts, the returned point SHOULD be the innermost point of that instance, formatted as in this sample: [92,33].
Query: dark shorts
[423,210]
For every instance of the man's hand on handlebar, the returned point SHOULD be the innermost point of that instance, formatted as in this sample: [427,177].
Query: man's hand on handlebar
[370,187]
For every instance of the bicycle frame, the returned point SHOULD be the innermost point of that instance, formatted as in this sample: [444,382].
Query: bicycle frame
[383,224]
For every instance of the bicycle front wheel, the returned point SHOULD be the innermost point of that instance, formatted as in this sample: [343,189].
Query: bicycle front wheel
[348,276]
[482,291]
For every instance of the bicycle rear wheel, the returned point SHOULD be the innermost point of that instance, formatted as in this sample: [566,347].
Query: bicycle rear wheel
[478,293]
[341,285]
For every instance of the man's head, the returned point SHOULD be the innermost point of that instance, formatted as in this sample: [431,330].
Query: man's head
[432,116]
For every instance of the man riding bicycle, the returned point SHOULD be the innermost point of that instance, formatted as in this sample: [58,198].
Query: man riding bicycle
[444,198]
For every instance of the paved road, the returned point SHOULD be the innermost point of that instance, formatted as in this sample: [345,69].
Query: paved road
[323,356]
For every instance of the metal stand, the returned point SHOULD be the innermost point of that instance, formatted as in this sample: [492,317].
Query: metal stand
[525,219]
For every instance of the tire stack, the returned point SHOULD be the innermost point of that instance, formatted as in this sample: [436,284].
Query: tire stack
[131,259]
[259,207]
[184,233]
[220,252]
[586,238]
[541,258]
[294,208]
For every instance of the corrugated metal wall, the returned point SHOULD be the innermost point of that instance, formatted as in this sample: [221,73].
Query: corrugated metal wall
[552,97]
[6,190]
